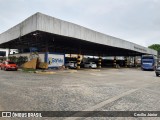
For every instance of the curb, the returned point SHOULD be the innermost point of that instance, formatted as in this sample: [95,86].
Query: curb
[70,71]
[47,73]
[94,70]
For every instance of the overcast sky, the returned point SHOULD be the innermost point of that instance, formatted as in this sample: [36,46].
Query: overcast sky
[137,21]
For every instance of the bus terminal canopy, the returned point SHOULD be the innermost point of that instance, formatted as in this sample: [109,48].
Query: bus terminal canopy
[54,35]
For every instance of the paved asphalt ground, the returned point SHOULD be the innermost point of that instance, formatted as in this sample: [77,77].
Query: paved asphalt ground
[105,90]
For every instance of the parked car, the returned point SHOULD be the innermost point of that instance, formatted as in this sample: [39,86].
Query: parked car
[90,65]
[157,70]
[82,64]
[71,64]
[8,65]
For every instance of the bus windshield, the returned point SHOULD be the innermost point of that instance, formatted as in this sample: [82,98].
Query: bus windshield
[147,57]
[147,61]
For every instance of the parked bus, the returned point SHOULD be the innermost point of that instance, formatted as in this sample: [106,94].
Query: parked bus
[148,62]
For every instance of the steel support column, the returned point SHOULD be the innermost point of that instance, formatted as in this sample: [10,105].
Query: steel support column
[99,62]
[126,61]
[78,61]
[115,62]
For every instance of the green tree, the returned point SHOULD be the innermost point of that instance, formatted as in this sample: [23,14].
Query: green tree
[155,47]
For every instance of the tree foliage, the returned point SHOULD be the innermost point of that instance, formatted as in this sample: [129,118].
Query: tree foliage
[155,47]
[18,60]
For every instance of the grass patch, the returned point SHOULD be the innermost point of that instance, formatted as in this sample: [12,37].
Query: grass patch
[28,70]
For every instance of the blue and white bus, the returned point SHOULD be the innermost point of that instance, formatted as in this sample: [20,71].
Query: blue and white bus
[148,62]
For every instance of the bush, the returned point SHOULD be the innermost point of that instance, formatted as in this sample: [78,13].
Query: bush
[21,60]
[3,59]
[18,60]
[13,58]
